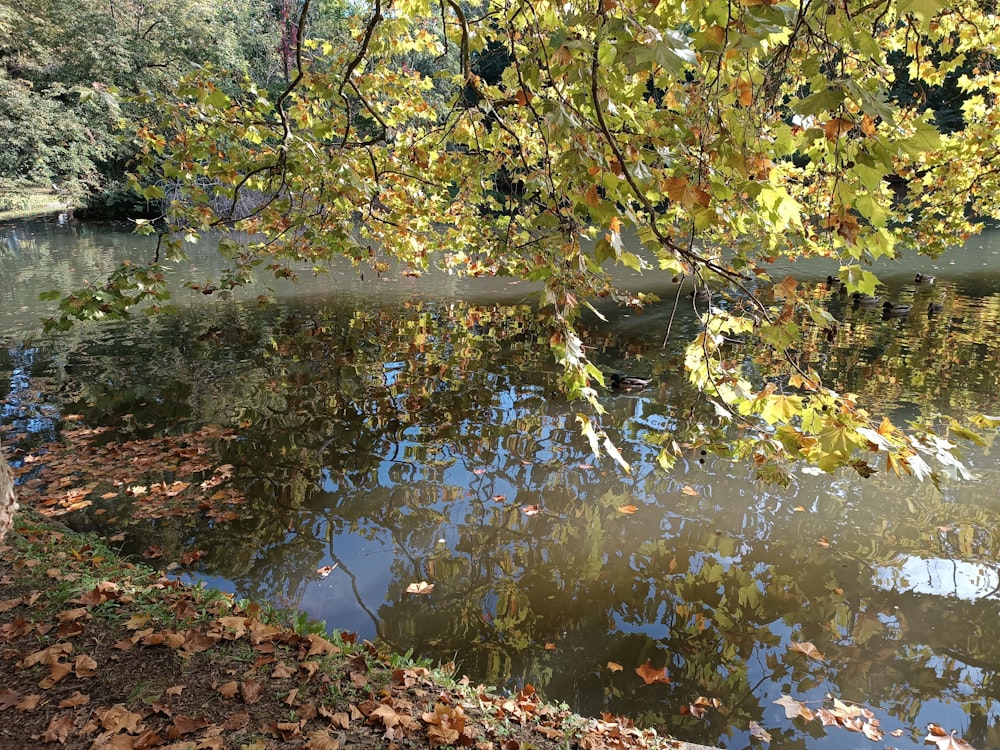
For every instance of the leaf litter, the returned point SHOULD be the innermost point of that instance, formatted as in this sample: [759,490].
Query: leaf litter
[140,661]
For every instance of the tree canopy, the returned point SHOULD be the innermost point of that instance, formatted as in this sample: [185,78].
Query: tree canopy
[551,141]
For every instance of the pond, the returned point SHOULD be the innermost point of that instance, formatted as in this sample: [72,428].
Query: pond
[360,437]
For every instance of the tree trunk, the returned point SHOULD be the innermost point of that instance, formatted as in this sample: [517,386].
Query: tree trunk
[8,500]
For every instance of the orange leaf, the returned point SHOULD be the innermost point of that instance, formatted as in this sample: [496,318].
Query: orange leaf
[615,666]
[627,509]
[650,675]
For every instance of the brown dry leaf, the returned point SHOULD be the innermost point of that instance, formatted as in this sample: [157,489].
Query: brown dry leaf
[250,690]
[49,655]
[185,725]
[551,732]
[325,570]
[756,730]
[446,726]
[175,690]
[58,671]
[29,703]
[137,621]
[58,729]
[615,666]
[337,719]
[77,699]
[795,708]
[872,731]
[319,646]
[806,648]
[118,719]
[71,615]
[650,675]
[627,509]
[321,740]
[9,698]
[390,717]
[287,730]
[229,689]
[420,588]
[84,666]
[530,510]
[236,721]
[688,490]
[944,741]
[282,671]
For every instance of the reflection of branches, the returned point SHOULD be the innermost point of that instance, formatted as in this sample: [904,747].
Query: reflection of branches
[354,583]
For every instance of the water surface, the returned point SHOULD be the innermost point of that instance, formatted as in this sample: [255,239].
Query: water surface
[408,430]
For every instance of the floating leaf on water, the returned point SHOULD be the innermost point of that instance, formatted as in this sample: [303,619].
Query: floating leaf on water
[530,510]
[326,570]
[420,588]
[615,666]
[651,675]
[795,708]
[627,509]
[806,648]
[757,731]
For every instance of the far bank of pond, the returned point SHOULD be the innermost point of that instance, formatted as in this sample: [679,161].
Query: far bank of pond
[385,433]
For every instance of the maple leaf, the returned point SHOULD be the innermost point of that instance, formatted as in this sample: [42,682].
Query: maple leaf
[58,671]
[84,666]
[806,648]
[650,675]
[29,703]
[58,729]
[795,708]
[185,725]
[9,698]
[321,740]
[229,689]
[321,646]
[250,690]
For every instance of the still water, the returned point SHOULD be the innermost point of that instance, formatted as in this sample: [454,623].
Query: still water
[409,430]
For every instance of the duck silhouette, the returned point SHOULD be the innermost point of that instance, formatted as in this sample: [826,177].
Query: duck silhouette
[924,279]
[896,310]
[628,382]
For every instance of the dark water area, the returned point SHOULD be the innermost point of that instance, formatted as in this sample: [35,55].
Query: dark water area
[402,431]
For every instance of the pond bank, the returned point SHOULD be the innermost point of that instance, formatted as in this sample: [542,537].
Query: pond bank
[100,652]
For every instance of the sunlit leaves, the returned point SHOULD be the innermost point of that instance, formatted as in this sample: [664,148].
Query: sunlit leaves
[700,149]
